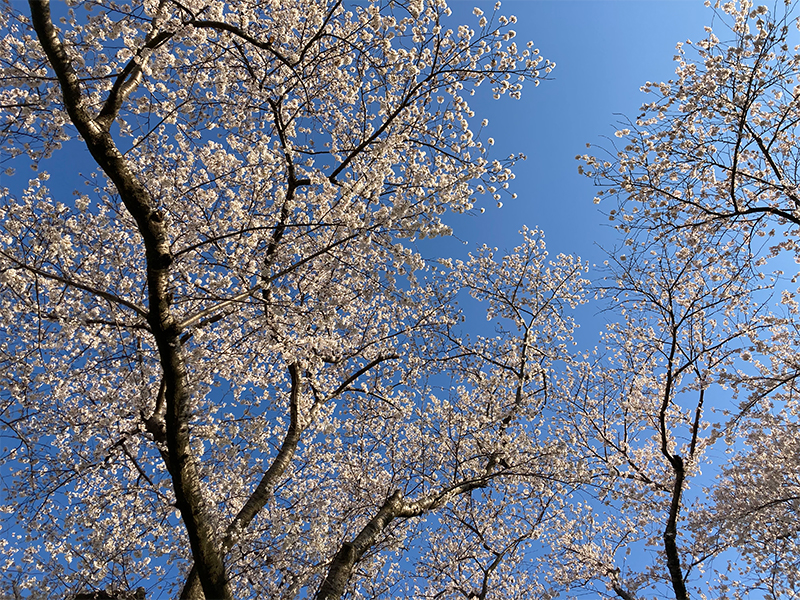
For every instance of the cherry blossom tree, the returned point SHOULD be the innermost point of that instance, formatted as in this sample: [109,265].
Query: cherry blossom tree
[706,181]
[637,417]
[226,371]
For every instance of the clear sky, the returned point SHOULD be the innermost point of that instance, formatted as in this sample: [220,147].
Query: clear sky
[604,52]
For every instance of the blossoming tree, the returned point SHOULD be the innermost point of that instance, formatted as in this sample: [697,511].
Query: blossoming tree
[225,371]
[707,190]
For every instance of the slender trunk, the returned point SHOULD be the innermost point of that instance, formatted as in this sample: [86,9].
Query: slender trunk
[192,589]
[351,552]
[671,532]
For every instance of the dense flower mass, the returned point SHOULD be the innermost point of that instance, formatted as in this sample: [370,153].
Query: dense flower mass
[227,371]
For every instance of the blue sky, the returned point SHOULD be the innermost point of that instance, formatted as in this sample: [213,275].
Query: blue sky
[604,52]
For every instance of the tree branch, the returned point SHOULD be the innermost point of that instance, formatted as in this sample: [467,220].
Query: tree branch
[263,492]
[130,77]
[350,553]
[137,200]
[199,316]
[78,285]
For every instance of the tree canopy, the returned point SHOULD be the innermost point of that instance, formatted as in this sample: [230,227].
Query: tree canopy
[228,371]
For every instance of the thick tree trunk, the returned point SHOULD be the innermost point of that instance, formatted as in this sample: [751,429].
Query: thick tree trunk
[158,258]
